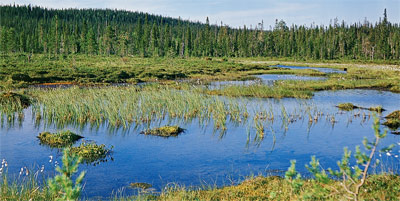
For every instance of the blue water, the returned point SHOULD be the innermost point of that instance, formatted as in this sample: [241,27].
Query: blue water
[266,79]
[201,156]
[324,70]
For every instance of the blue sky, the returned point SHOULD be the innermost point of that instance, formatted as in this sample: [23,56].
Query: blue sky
[237,13]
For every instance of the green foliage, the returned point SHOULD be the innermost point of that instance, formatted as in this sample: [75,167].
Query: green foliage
[91,152]
[62,186]
[60,139]
[346,106]
[164,131]
[314,168]
[293,177]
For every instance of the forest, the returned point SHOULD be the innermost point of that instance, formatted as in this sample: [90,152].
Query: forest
[36,30]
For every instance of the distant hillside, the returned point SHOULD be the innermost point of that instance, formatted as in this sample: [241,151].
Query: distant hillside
[114,32]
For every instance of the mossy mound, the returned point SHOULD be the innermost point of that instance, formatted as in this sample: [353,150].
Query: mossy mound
[392,123]
[60,139]
[395,132]
[15,99]
[394,115]
[143,186]
[91,152]
[351,106]
[346,106]
[165,131]
[378,109]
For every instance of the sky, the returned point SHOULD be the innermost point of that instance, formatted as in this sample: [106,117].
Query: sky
[237,13]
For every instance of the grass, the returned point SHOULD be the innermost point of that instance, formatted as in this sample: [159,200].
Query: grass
[13,102]
[377,187]
[60,139]
[164,131]
[28,188]
[86,69]
[259,91]
[356,78]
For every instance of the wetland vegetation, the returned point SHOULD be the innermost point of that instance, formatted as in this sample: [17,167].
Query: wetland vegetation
[153,75]
[60,139]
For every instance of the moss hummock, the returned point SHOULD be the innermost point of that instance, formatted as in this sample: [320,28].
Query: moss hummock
[91,152]
[347,106]
[143,186]
[60,139]
[393,120]
[165,131]
[351,106]
[394,115]
[392,123]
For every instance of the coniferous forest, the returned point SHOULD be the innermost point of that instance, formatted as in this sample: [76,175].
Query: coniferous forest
[31,29]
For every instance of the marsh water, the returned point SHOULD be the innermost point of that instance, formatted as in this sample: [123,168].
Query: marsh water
[270,79]
[203,156]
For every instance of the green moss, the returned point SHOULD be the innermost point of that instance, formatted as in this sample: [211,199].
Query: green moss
[393,120]
[347,106]
[60,139]
[165,131]
[143,186]
[378,109]
[394,115]
[392,123]
[91,152]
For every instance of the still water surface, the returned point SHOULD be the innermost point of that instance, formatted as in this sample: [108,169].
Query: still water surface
[201,156]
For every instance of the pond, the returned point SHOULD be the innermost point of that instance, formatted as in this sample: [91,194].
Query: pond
[324,70]
[205,156]
[201,156]
[267,79]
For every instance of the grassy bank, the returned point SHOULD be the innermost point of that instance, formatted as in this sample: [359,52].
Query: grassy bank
[19,70]
[355,78]
[377,187]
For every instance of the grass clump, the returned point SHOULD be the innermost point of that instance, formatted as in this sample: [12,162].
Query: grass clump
[14,101]
[347,106]
[91,152]
[60,139]
[141,185]
[260,91]
[164,131]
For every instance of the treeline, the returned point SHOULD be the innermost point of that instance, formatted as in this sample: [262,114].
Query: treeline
[30,29]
